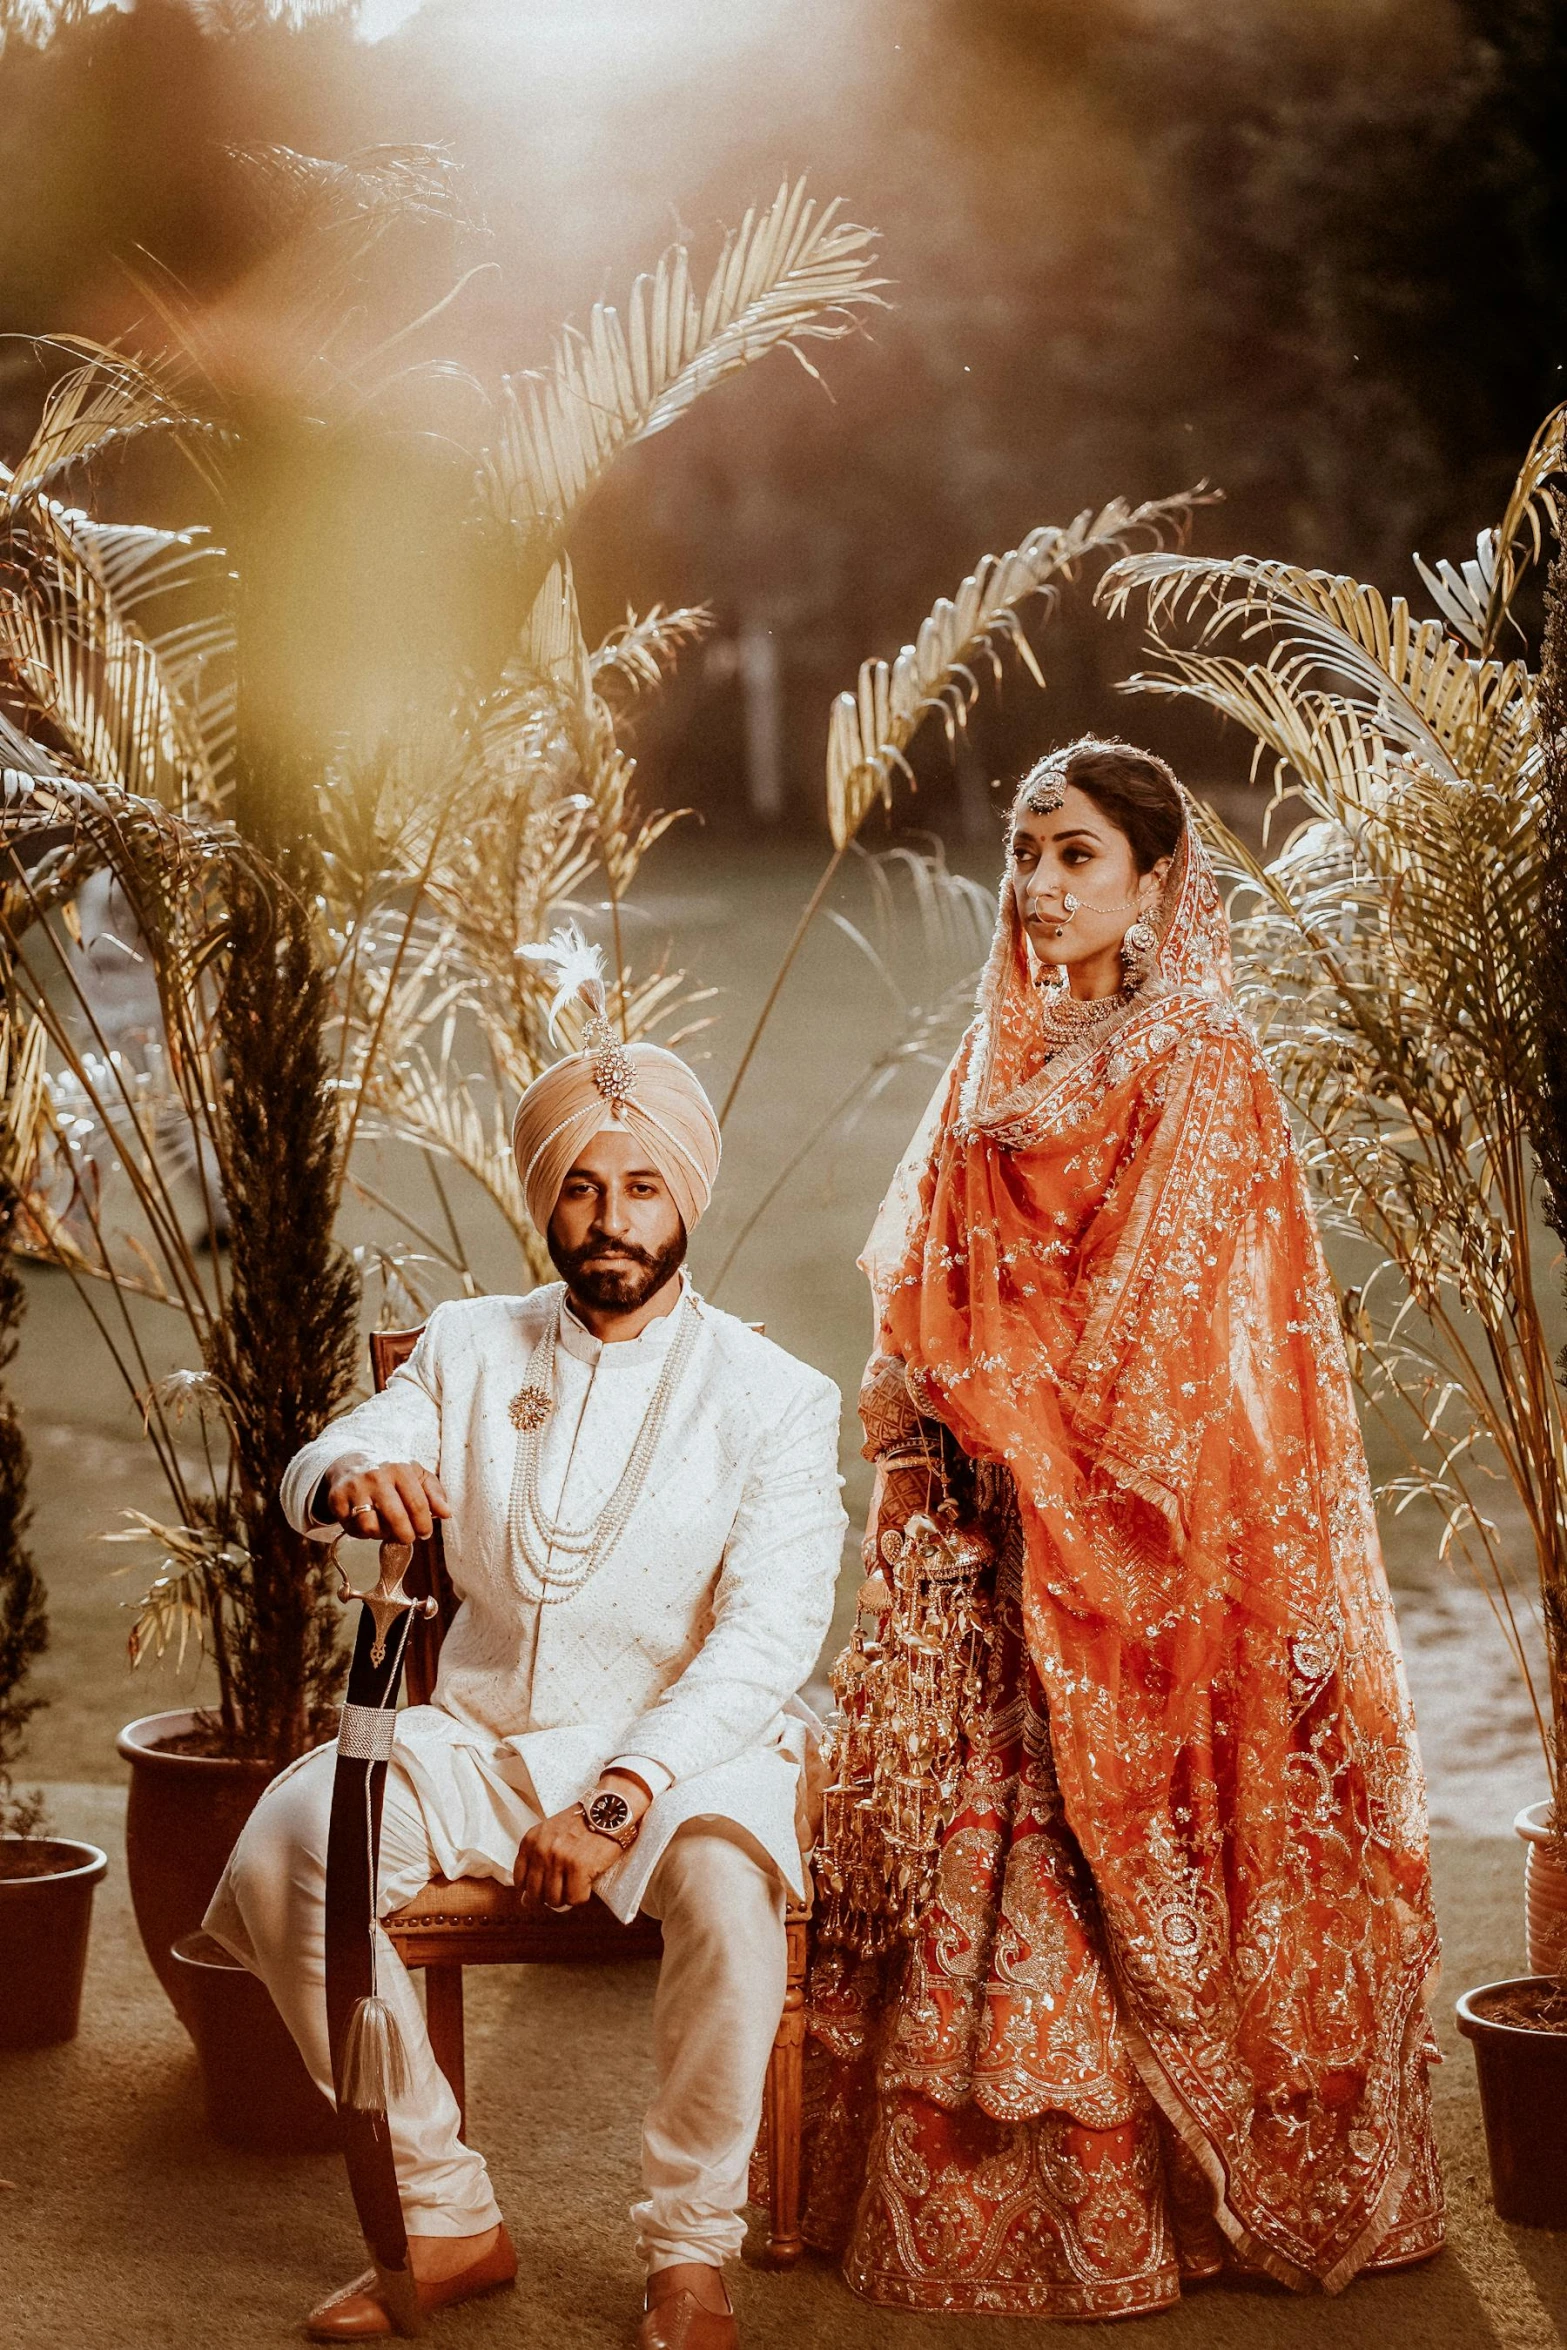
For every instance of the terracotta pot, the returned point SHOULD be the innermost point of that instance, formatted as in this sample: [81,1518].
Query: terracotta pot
[44,1924]
[181,1821]
[1523,2095]
[257,2092]
[1544,1891]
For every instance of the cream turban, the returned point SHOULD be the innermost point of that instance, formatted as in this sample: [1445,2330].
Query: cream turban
[612,1088]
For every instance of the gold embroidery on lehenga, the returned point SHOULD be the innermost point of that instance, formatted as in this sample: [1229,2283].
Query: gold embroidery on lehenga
[1179,1927]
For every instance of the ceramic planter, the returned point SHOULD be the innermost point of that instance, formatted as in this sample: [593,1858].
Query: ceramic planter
[257,2092]
[1523,2096]
[1544,1892]
[181,1821]
[44,1924]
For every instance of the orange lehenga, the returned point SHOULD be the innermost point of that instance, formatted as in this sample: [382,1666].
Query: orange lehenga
[1165,2011]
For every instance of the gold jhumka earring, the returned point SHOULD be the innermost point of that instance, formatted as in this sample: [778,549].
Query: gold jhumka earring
[1139,951]
[906,1685]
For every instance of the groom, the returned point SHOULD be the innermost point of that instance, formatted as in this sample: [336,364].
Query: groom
[641,1518]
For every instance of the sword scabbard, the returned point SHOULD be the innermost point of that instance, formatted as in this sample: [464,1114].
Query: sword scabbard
[353,1843]
[400,2296]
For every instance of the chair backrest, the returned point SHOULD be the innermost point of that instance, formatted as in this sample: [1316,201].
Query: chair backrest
[427,1572]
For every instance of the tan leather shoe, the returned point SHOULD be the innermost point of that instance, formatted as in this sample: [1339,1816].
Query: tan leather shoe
[356,2312]
[681,2323]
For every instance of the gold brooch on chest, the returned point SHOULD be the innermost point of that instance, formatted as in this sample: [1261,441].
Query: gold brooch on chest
[530,1407]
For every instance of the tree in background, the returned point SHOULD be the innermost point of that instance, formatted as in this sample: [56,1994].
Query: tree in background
[1316,255]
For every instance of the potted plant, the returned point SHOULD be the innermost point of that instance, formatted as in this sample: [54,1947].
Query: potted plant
[1390,958]
[289,901]
[46,1882]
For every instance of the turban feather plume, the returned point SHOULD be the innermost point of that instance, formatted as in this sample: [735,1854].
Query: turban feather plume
[610,1088]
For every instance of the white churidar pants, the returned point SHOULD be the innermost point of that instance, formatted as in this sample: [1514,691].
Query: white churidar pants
[720,1990]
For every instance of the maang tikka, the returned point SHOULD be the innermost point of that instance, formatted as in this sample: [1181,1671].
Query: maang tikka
[1043,789]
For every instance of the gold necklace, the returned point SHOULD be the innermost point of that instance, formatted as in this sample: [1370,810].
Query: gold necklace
[1078,1026]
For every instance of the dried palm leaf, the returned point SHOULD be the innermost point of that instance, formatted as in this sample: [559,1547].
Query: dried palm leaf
[1329,645]
[106,400]
[24,1099]
[147,709]
[1476,601]
[178,1607]
[870,729]
[645,649]
[368,191]
[788,276]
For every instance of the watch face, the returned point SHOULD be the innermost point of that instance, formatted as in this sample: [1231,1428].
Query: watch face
[608,1813]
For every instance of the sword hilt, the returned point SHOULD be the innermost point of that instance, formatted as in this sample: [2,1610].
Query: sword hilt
[385,1599]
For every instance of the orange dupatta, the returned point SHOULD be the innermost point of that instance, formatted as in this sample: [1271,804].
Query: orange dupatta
[1110,1280]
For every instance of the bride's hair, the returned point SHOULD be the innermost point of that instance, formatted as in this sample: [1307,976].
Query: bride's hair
[1133,787]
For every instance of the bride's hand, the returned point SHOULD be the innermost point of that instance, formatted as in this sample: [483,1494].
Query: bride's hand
[901,1493]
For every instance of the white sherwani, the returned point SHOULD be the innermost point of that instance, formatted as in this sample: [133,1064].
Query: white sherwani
[681,1655]
[688,1644]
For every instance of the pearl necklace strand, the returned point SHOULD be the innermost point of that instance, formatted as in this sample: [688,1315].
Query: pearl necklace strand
[584,1548]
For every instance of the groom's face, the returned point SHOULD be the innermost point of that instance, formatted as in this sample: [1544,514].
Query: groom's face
[616,1236]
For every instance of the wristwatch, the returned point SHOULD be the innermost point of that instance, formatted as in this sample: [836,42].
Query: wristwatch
[609,1814]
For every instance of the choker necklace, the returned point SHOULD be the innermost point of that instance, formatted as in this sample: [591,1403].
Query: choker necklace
[1080,1024]
[581,1550]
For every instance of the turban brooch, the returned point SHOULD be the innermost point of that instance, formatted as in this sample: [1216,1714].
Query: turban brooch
[610,1088]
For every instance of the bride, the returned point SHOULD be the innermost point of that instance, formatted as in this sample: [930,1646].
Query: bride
[1161,2011]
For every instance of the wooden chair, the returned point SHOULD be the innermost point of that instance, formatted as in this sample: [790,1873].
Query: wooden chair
[476,1922]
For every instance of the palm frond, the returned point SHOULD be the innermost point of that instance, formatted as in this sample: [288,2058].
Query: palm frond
[1332,644]
[142,566]
[24,1099]
[788,276]
[870,729]
[367,191]
[91,683]
[106,400]
[644,650]
[1475,600]
[552,648]
[176,1610]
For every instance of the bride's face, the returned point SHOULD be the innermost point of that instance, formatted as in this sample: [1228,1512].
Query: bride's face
[1077,854]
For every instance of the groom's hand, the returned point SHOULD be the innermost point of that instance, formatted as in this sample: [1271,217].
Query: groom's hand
[397,1502]
[561,1860]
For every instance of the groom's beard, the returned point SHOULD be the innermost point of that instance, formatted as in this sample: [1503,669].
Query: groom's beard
[620,1287]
